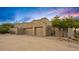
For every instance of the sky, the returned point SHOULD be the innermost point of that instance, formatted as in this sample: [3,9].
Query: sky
[27,14]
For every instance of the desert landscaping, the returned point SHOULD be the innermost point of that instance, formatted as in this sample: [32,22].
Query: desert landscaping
[31,30]
[14,42]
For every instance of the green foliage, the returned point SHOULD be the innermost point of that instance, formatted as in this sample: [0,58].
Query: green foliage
[8,25]
[4,28]
[56,22]
[76,23]
[69,22]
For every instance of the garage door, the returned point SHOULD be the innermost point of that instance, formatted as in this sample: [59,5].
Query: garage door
[29,31]
[39,31]
[20,31]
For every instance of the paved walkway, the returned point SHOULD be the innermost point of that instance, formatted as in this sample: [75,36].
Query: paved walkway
[31,43]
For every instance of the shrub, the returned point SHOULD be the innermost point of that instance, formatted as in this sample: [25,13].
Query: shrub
[4,28]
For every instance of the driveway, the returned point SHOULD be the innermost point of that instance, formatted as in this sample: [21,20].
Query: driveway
[31,43]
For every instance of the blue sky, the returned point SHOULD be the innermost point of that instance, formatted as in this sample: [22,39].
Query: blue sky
[25,14]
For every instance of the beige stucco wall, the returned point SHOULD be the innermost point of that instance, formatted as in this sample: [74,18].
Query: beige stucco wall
[23,25]
[71,32]
[36,27]
[40,27]
[13,30]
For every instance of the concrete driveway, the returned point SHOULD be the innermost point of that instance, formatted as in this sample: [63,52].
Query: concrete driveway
[31,43]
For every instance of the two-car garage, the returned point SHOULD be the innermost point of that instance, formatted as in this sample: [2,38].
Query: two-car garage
[37,31]
[36,27]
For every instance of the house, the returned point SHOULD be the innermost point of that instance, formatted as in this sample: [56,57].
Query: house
[36,27]
[41,27]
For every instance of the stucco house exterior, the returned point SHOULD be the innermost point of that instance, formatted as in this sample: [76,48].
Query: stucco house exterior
[41,27]
[36,27]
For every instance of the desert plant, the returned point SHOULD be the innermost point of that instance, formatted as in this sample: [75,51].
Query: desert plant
[4,28]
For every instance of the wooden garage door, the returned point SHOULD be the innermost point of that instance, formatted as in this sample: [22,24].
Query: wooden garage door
[29,31]
[39,31]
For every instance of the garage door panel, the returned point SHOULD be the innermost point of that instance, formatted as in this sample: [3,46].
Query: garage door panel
[29,31]
[39,31]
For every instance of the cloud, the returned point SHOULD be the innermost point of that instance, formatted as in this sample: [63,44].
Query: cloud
[28,14]
[74,14]
[50,12]
[64,11]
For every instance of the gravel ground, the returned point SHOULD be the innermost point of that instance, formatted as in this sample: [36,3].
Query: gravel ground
[10,42]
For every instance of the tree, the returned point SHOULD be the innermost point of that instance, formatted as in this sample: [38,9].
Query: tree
[56,22]
[8,25]
[68,22]
[76,25]
[59,23]
[4,28]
